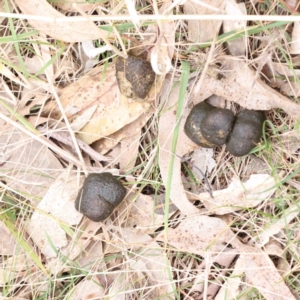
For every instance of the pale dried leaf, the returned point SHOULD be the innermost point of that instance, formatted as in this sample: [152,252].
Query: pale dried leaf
[118,288]
[92,254]
[239,84]
[113,109]
[290,142]
[129,152]
[203,159]
[121,238]
[261,273]
[274,247]
[198,234]
[86,62]
[27,165]
[202,30]
[167,123]
[68,5]
[106,144]
[283,77]
[35,95]
[7,94]
[254,165]
[81,120]
[225,259]
[15,266]
[238,46]
[153,265]
[272,228]
[70,31]
[7,241]
[85,234]
[203,235]
[295,43]
[163,51]
[150,267]
[5,71]
[140,214]
[86,289]
[239,195]
[56,207]
[230,287]
[33,64]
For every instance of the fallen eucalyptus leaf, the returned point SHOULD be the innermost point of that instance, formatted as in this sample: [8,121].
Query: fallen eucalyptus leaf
[241,85]
[239,195]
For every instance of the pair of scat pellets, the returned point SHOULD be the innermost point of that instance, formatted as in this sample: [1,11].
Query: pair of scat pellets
[206,126]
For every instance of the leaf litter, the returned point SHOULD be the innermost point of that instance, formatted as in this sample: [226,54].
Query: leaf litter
[57,206]
[108,121]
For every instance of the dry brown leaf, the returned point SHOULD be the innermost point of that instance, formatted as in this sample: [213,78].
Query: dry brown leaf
[224,259]
[167,123]
[117,290]
[153,266]
[86,289]
[203,234]
[113,111]
[236,47]
[283,77]
[199,234]
[262,274]
[27,166]
[84,235]
[240,84]
[56,207]
[7,241]
[5,71]
[202,31]
[149,266]
[35,95]
[290,142]
[106,144]
[129,152]
[121,238]
[92,255]
[239,195]
[271,229]
[273,247]
[140,214]
[230,287]
[70,31]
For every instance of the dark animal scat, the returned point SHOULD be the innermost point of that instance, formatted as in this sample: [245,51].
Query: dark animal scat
[246,132]
[193,122]
[135,76]
[100,194]
[216,126]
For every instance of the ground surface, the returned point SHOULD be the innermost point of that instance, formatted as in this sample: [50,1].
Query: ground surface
[229,231]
